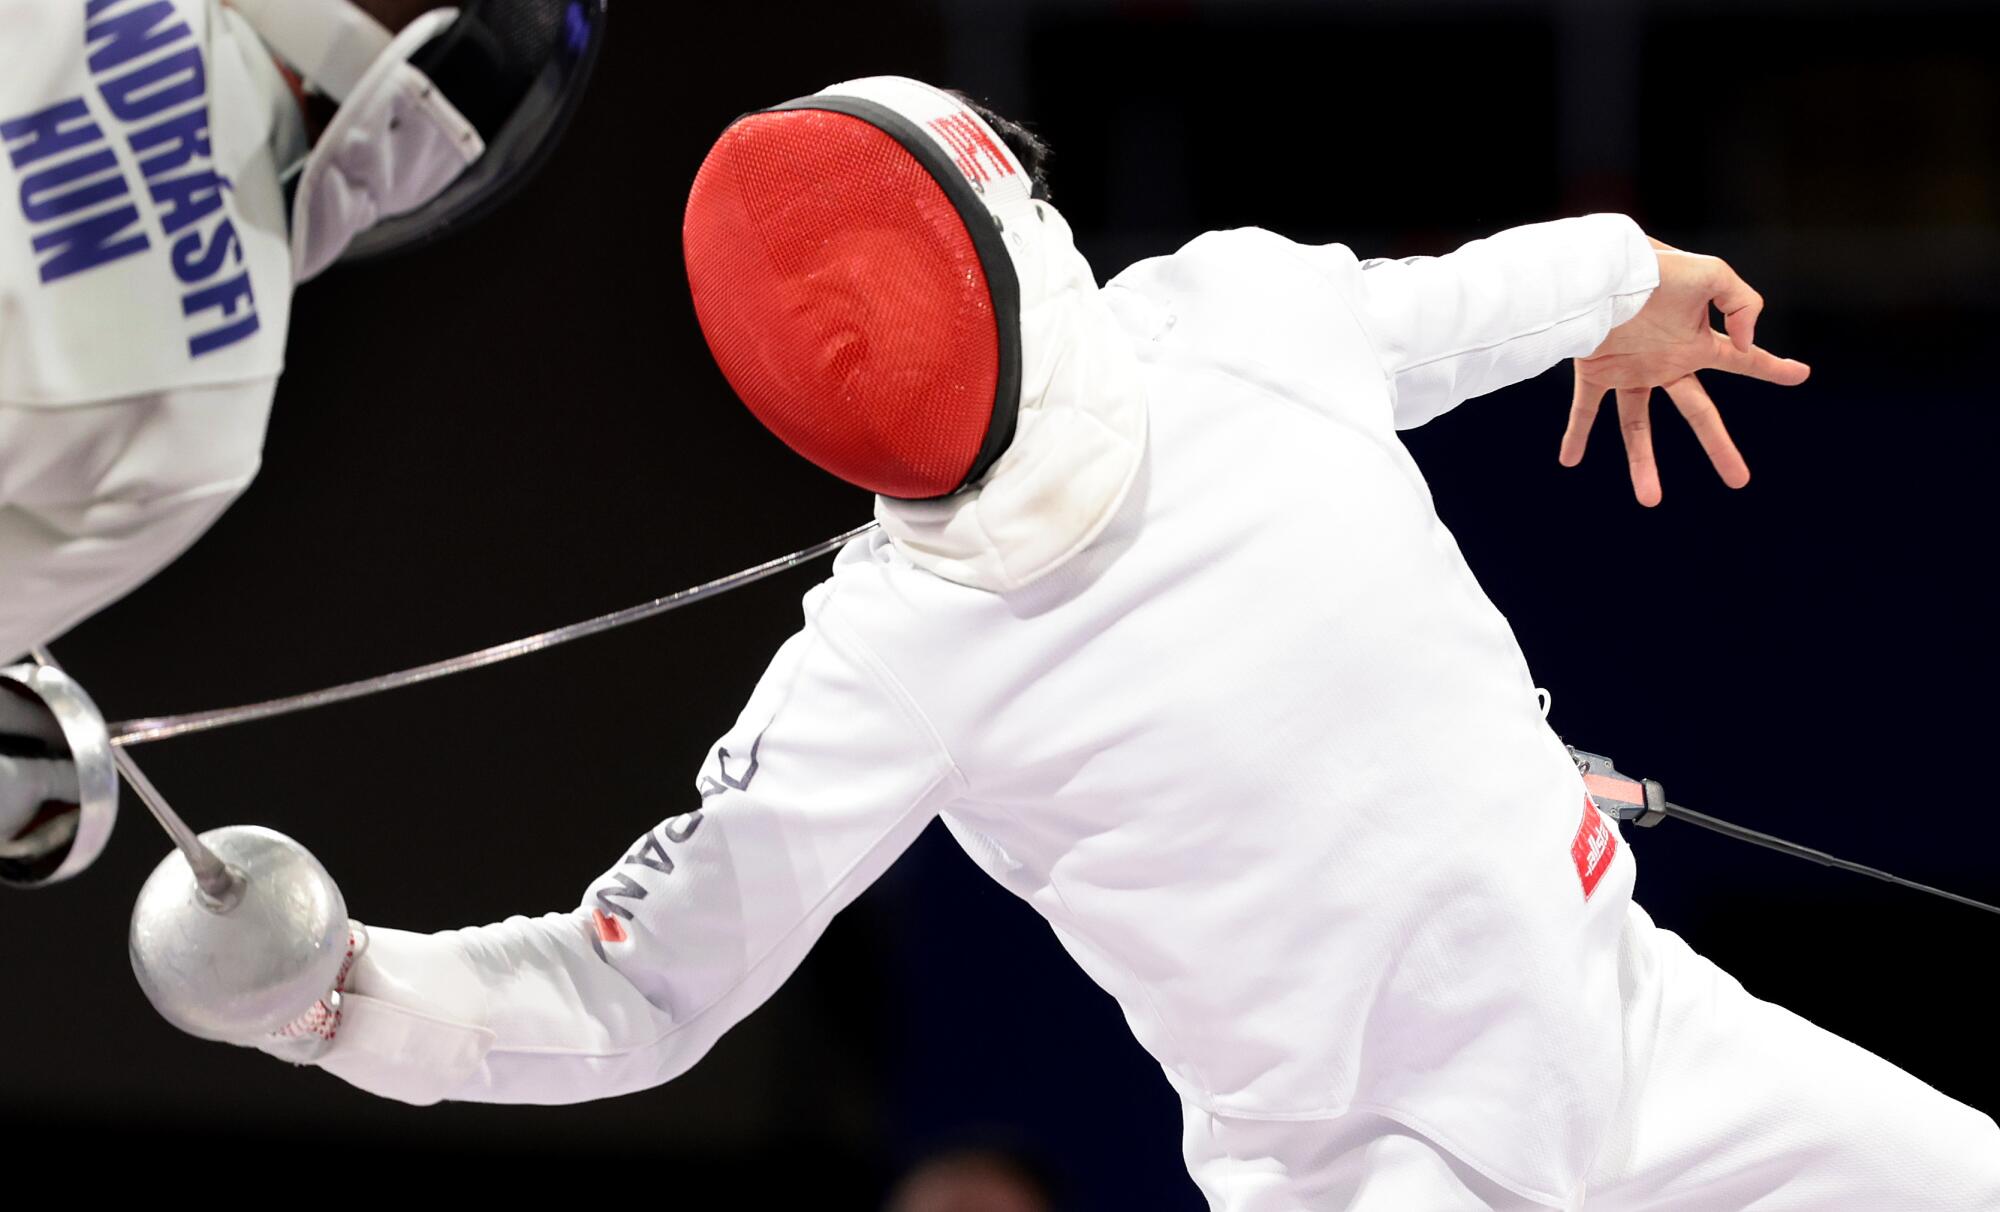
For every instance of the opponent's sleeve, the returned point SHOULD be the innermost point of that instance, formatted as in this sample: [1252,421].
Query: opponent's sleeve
[95,499]
[1498,310]
[829,774]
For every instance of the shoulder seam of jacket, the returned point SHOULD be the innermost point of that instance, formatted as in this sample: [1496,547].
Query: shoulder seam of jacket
[1296,251]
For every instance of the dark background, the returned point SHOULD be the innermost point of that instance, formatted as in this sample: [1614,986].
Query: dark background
[521,428]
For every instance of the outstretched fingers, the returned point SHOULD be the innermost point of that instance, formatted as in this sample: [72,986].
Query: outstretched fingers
[1582,415]
[1702,417]
[1756,363]
[1635,421]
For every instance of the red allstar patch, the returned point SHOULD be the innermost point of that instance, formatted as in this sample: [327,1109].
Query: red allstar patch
[1595,846]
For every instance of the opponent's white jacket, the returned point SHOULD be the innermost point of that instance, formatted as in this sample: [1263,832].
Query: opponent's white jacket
[145,290]
[1263,754]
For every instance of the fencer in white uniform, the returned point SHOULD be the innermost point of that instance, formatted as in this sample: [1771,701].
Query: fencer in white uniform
[160,202]
[147,269]
[145,291]
[1190,664]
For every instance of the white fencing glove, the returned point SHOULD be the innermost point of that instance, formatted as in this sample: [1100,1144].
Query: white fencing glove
[307,1038]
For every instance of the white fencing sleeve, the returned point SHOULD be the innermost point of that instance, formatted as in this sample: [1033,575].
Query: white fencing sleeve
[1496,311]
[96,498]
[828,775]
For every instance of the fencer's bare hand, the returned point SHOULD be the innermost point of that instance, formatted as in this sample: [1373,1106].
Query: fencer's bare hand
[1670,339]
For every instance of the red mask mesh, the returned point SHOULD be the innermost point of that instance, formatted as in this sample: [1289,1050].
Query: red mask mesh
[844,300]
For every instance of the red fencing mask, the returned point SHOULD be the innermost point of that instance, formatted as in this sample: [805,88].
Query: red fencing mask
[848,265]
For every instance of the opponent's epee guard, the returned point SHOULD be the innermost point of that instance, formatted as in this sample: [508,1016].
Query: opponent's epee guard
[163,201]
[58,787]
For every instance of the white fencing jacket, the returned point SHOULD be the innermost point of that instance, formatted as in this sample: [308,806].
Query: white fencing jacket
[145,290]
[1263,754]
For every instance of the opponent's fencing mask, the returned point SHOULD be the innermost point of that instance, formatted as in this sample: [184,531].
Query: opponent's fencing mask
[436,125]
[849,269]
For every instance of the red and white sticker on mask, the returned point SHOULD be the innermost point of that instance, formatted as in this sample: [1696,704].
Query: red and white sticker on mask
[1595,846]
[978,156]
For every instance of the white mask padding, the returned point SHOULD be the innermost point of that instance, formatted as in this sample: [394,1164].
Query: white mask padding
[395,144]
